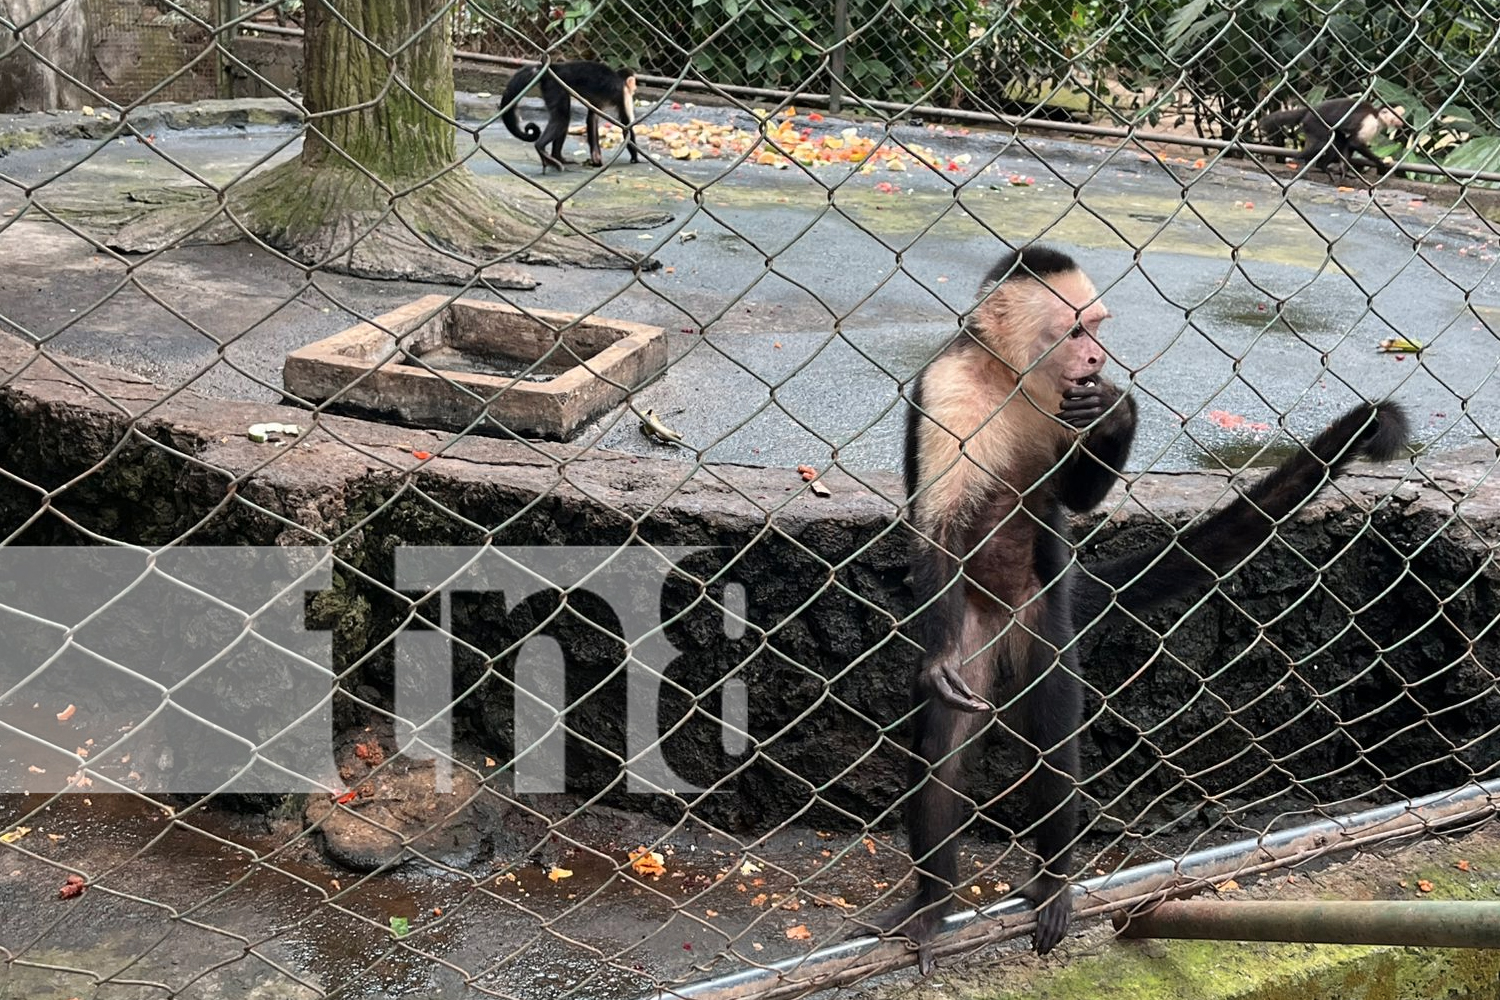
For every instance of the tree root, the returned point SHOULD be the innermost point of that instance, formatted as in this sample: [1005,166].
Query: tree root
[340,220]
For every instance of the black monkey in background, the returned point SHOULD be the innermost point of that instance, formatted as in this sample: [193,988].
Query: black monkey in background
[1335,130]
[1008,426]
[600,88]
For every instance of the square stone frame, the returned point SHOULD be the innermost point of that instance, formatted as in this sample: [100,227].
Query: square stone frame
[356,369]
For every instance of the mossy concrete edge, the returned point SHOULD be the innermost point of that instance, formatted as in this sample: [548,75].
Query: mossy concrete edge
[1214,970]
[48,128]
[1149,969]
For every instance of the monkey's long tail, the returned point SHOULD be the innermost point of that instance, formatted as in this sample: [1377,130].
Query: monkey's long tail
[1281,121]
[1194,561]
[513,91]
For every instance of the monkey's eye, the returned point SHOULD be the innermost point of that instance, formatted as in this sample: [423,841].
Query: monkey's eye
[1076,332]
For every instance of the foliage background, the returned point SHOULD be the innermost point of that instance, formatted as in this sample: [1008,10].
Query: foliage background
[1215,64]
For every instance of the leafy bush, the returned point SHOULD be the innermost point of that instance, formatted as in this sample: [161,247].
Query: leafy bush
[1027,50]
[894,50]
[1237,59]
[1452,136]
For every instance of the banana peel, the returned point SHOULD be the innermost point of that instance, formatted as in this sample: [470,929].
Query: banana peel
[1400,345]
[652,427]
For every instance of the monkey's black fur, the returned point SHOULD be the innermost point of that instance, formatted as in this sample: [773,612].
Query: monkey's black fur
[1049,714]
[601,88]
[1142,582]
[1333,132]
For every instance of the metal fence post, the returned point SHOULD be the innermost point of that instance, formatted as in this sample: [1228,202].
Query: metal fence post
[224,35]
[836,57]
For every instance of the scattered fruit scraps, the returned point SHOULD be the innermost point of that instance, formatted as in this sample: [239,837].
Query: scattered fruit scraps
[646,862]
[1235,422]
[786,142]
[1197,164]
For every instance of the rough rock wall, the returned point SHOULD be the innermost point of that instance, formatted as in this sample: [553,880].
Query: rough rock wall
[1352,658]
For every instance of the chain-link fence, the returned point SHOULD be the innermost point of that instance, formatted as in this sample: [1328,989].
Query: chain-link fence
[431,570]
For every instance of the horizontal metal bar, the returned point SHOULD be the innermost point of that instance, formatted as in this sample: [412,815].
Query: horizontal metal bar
[856,960]
[1434,924]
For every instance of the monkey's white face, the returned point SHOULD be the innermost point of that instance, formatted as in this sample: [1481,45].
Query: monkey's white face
[1067,348]
[1045,331]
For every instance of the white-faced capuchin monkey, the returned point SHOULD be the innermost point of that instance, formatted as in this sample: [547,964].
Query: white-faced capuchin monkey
[599,87]
[1011,425]
[1335,130]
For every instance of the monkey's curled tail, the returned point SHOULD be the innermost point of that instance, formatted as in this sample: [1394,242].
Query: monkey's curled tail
[513,91]
[1191,563]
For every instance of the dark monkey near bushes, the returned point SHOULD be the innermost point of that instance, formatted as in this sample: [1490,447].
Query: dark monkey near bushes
[600,88]
[1009,425]
[1335,130]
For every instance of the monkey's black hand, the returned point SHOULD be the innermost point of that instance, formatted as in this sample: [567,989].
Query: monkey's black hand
[1085,402]
[1054,905]
[1052,924]
[913,920]
[942,679]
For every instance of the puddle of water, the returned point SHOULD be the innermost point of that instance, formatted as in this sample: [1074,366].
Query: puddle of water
[1249,309]
[1246,452]
[1255,452]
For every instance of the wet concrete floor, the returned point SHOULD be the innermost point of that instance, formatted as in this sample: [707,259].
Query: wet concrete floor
[797,300]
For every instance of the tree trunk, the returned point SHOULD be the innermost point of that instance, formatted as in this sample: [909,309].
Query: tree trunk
[379,87]
[40,75]
[378,190]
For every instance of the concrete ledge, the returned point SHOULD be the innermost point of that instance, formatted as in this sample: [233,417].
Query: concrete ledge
[32,131]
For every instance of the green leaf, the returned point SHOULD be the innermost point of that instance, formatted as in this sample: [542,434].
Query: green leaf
[1193,32]
[400,926]
[1482,153]
[1182,19]
[1270,9]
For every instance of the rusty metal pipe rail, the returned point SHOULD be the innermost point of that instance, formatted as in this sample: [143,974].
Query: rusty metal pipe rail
[856,960]
[1433,924]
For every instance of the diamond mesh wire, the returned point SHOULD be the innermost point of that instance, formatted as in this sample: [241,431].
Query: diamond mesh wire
[425,573]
